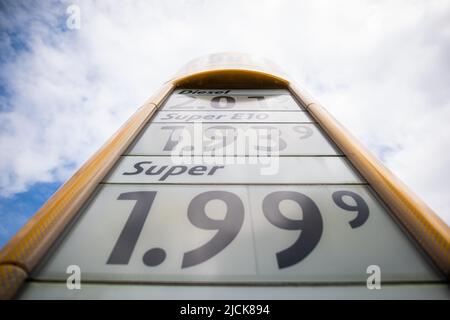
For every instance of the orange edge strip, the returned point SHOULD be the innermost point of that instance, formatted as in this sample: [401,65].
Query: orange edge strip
[431,233]
[11,278]
[22,253]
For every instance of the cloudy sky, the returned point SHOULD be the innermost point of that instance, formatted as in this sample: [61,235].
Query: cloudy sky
[382,68]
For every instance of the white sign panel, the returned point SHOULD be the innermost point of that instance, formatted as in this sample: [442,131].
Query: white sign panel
[286,208]
[232,139]
[220,100]
[232,116]
[238,170]
[235,233]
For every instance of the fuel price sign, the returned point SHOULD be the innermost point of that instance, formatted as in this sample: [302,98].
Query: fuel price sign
[234,186]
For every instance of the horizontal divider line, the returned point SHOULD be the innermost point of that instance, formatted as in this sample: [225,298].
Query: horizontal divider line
[278,122]
[208,122]
[235,110]
[239,184]
[237,156]
[243,284]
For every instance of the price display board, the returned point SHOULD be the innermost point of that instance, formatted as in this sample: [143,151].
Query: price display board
[236,100]
[286,207]
[283,139]
[232,116]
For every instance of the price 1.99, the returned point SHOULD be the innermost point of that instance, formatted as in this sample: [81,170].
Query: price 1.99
[310,227]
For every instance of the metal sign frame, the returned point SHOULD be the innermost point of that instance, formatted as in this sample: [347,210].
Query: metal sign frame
[231,70]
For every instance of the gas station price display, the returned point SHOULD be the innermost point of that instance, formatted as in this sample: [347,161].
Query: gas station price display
[313,219]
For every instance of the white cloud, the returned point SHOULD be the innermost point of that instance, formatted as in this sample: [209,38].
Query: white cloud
[381,67]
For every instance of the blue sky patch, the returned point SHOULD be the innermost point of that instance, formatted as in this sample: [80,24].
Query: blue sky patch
[15,211]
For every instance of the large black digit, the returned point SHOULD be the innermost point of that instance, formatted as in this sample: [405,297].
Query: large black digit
[261,100]
[227,229]
[304,131]
[186,100]
[174,137]
[360,206]
[130,233]
[311,225]
[216,102]
[280,143]
[221,136]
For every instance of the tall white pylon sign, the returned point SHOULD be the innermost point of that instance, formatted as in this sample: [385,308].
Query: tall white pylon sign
[231,176]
